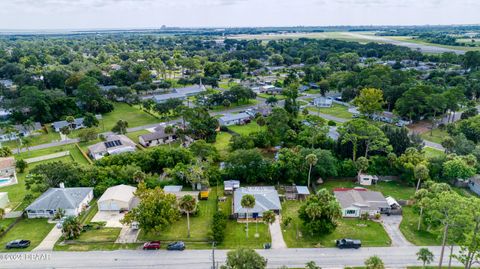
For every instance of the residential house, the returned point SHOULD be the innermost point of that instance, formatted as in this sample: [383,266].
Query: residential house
[75,125]
[19,131]
[71,200]
[229,186]
[159,137]
[261,110]
[7,167]
[270,89]
[116,198]
[7,83]
[367,180]
[358,201]
[266,198]
[474,184]
[177,191]
[234,119]
[113,144]
[180,93]
[4,199]
[323,102]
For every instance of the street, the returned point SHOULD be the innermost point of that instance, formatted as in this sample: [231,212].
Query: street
[393,257]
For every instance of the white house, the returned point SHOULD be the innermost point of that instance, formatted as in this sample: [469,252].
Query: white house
[234,119]
[229,186]
[117,198]
[159,137]
[71,200]
[180,93]
[366,180]
[75,125]
[113,144]
[20,131]
[323,102]
[357,201]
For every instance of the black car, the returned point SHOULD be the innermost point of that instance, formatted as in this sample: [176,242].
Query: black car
[176,246]
[348,243]
[18,244]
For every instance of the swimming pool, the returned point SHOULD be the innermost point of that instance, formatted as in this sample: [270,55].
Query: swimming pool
[5,181]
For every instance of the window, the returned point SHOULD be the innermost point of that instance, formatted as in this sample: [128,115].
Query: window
[351,212]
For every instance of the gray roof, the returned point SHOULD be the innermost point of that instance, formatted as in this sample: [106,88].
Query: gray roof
[65,198]
[238,116]
[231,184]
[23,129]
[104,146]
[266,198]
[158,134]
[78,121]
[361,198]
[303,190]
[173,188]
[180,93]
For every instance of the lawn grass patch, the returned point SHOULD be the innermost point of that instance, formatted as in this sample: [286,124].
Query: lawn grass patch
[433,152]
[134,116]
[266,96]
[222,143]
[34,230]
[396,189]
[247,128]
[435,136]
[248,103]
[408,226]
[134,135]
[335,110]
[235,235]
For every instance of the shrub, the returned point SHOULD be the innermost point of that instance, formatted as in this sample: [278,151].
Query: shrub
[224,128]
[218,227]
[332,123]
[286,222]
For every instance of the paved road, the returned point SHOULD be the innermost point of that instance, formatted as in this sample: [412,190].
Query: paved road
[393,257]
[413,46]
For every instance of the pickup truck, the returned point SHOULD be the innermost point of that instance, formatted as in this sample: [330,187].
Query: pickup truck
[348,243]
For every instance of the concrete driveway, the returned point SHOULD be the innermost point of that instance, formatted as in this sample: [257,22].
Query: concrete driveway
[112,218]
[49,241]
[392,227]
[276,235]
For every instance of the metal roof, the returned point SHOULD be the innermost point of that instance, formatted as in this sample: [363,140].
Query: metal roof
[173,188]
[266,198]
[303,190]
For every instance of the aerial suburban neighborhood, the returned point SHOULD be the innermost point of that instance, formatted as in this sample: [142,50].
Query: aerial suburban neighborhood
[239,147]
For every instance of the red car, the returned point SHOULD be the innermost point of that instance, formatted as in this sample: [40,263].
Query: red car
[152,245]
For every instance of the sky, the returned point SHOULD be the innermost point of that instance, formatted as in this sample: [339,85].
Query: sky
[120,14]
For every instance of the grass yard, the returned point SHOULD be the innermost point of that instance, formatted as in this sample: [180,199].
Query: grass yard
[31,229]
[433,152]
[392,188]
[223,139]
[97,239]
[199,227]
[409,230]
[369,232]
[266,96]
[250,102]
[436,137]
[134,116]
[247,128]
[134,135]
[41,138]
[235,235]
[336,110]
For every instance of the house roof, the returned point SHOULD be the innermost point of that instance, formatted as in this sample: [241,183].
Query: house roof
[231,117]
[111,144]
[158,134]
[7,162]
[180,93]
[266,198]
[122,193]
[231,184]
[65,198]
[303,190]
[23,129]
[77,121]
[360,198]
[173,188]
[323,100]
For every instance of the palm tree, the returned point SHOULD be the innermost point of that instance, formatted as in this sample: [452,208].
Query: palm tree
[188,204]
[247,202]
[311,161]
[27,142]
[268,217]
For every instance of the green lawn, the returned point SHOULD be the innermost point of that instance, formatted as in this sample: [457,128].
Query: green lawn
[223,139]
[134,116]
[97,239]
[134,135]
[235,235]
[41,138]
[235,105]
[432,152]
[200,226]
[247,128]
[336,110]
[392,188]
[266,96]
[436,137]
[409,229]
[369,232]
[34,230]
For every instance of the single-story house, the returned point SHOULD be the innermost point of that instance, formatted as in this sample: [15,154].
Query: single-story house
[358,201]
[4,199]
[113,144]
[75,125]
[323,102]
[261,110]
[159,137]
[296,192]
[229,186]
[271,89]
[180,93]
[234,119]
[177,191]
[72,200]
[7,166]
[266,198]
[20,131]
[367,180]
[474,184]
[117,198]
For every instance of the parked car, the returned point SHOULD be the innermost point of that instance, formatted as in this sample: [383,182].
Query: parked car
[180,245]
[152,245]
[19,243]
[348,243]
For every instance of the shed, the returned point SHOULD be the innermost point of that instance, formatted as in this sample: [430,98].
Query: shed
[172,188]
[229,186]
[366,180]
[117,198]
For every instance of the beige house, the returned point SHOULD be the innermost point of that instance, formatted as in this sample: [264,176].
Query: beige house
[117,198]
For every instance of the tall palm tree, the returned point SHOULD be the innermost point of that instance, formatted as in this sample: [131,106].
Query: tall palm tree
[311,161]
[188,204]
[247,202]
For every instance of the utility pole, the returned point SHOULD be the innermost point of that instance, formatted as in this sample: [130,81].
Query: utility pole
[213,255]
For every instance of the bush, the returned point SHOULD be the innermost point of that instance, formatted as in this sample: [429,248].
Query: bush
[218,227]
[224,128]
[332,123]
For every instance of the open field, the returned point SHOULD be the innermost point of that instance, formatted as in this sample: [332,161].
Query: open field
[223,139]
[247,128]
[436,135]
[323,35]
[134,116]
[31,229]
[336,110]
[410,39]
[96,239]
[371,233]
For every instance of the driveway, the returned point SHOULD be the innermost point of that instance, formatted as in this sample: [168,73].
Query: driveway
[49,241]
[127,235]
[276,235]
[112,218]
[392,227]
